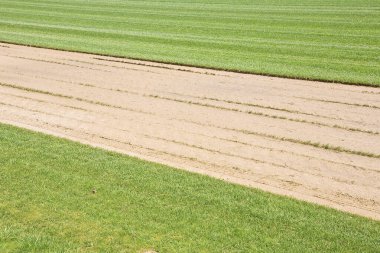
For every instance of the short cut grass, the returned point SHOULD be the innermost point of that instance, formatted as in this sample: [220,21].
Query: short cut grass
[61,196]
[336,40]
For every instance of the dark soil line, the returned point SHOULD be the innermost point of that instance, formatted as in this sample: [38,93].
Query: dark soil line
[254,105]
[46,113]
[307,143]
[218,152]
[54,62]
[313,144]
[91,85]
[265,115]
[71,97]
[161,67]
[339,102]
[241,157]
[44,101]
[193,159]
[110,66]
[296,154]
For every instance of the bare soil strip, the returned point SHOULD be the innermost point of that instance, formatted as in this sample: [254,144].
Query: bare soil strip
[314,141]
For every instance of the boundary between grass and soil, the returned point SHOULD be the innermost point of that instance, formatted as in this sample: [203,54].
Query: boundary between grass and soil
[327,81]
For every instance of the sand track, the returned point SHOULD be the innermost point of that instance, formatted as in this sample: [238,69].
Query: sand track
[314,141]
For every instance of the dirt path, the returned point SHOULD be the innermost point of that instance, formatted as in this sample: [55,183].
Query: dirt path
[313,141]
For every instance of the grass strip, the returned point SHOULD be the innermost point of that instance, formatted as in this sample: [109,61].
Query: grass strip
[61,196]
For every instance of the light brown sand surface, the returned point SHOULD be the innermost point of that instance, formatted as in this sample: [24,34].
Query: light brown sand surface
[314,141]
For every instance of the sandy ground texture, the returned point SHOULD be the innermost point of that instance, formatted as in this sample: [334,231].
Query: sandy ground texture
[314,141]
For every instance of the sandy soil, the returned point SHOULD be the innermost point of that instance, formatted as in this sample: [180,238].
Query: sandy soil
[314,141]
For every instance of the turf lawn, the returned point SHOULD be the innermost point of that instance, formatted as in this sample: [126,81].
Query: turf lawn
[47,204]
[333,40]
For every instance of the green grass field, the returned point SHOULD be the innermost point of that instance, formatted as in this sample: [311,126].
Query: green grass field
[332,40]
[47,205]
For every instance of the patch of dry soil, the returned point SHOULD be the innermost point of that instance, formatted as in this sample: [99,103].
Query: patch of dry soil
[314,141]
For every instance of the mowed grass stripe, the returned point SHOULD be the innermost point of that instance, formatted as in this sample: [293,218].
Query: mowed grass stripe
[59,16]
[254,37]
[216,5]
[62,196]
[179,14]
[263,44]
[152,36]
[100,23]
[184,11]
[209,19]
[211,14]
[188,11]
[51,18]
[155,39]
[269,20]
